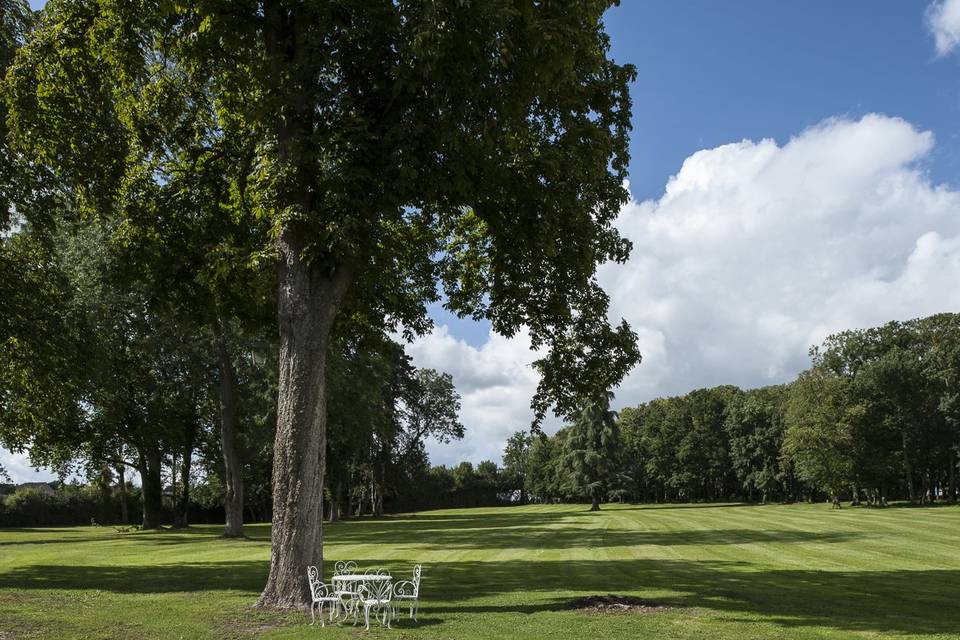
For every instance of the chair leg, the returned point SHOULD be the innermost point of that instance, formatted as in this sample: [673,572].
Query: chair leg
[313,617]
[366,617]
[322,624]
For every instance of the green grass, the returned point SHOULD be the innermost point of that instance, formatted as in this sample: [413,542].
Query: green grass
[799,571]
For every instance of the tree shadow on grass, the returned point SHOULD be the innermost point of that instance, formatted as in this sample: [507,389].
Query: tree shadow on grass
[883,601]
[879,601]
[549,530]
[169,536]
[165,578]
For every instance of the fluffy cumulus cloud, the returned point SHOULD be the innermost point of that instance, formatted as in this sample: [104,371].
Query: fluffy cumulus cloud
[943,20]
[495,382]
[754,252]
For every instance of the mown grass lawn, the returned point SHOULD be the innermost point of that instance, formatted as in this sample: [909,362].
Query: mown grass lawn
[800,571]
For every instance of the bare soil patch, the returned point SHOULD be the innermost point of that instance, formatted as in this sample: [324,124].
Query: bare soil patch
[251,622]
[617,604]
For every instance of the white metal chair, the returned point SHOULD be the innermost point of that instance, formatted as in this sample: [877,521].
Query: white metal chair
[408,591]
[344,568]
[374,595]
[321,594]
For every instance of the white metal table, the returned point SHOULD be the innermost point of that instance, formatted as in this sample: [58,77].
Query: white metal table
[347,585]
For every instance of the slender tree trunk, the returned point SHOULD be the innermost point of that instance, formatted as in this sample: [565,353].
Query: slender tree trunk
[233,469]
[308,300]
[335,497]
[180,519]
[952,482]
[152,486]
[908,468]
[105,510]
[381,483]
[124,509]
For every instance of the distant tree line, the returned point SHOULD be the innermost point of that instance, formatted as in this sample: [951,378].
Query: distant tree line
[875,418]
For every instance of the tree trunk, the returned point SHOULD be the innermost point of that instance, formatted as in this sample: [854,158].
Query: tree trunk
[180,518]
[952,483]
[122,482]
[307,304]
[152,486]
[233,474]
[908,469]
[335,497]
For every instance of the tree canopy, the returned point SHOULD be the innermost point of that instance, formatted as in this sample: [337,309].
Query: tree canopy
[379,154]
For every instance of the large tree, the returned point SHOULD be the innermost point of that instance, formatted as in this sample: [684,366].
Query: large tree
[754,423]
[397,145]
[591,451]
[819,440]
[516,459]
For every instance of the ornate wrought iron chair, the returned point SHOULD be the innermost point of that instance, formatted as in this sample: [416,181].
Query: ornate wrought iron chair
[406,591]
[321,594]
[344,567]
[374,595]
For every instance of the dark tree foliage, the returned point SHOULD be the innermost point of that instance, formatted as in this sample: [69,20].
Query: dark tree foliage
[591,452]
[516,464]
[755,424]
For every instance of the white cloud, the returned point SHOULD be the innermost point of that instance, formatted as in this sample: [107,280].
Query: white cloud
[496,383]
[754,252]
[20,470]
[943,20]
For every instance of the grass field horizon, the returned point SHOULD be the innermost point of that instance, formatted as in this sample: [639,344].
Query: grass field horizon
[727,571]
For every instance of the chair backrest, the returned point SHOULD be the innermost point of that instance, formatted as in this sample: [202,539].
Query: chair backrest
[344,567]
[417,569]
[375,590]
[317,588]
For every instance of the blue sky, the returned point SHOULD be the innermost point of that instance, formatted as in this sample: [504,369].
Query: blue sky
[710,73]
[795,171]
[713,72]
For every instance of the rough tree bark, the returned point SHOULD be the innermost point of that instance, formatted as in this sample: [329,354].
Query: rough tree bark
[233,476]
[308,300]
